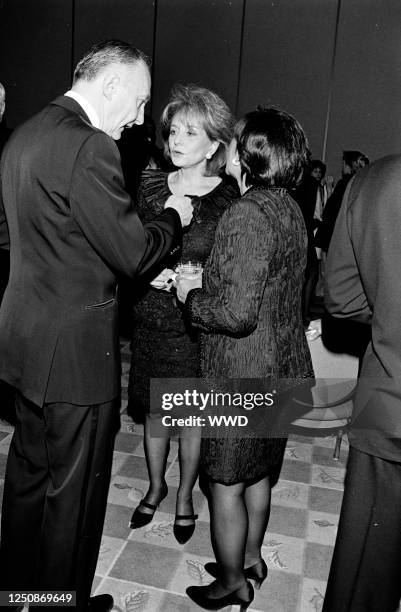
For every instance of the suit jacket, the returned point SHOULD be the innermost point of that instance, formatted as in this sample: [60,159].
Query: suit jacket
[72,228]
[363,283]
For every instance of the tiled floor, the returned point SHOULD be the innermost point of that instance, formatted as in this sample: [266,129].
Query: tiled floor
[146,570]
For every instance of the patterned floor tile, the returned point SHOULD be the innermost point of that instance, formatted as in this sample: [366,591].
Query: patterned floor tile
[322,499]
[330,441]
[288,493]
[298,451]
[157,533]
[127,442]
[329,477]
[287,521]
[283,553]
[131,597]
[279,593]
[146,564]
[177,603]
[190,571]
[5,443]
[312,595]
[116,521]
[6,427]
[110,549]
[322,528]
[126,491]
[96,581]
[3,434]
[134,467]
[200,544]
[118,461]
[299,471]
[324,456]
[317,560]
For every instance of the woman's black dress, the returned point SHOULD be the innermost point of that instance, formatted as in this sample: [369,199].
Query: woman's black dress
[163,345]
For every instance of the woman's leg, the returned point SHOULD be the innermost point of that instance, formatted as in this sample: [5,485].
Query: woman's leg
[257,501]
[156,453]
[189,453]
[229,529]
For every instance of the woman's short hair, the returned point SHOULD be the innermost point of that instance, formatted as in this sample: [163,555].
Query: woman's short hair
[272,148]
[213,113]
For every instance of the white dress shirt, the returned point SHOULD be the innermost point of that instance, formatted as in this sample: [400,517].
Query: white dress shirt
[87,107]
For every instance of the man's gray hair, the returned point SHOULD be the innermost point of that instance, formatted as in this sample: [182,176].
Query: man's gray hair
[105,53]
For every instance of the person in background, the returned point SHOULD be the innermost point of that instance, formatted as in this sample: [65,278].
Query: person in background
[249,311]
[5,133]
[324,190]
[70,226]
[352,162]
[363,285]
[340,335]
[7,408]
[311,195]
[197,126]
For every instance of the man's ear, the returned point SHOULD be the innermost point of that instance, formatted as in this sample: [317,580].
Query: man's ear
[110,83]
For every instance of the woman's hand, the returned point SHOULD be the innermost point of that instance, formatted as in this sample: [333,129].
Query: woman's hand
[184,285]
[164,280]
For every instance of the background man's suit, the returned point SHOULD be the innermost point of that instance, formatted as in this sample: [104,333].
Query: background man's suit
[363,278]
[72,228]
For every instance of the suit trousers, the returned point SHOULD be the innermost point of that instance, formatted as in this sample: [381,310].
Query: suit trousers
[55,495]
[365,569]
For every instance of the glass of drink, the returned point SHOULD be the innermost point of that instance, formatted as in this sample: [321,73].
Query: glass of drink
[190,271]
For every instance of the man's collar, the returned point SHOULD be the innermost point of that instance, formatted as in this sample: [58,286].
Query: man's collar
[87,107]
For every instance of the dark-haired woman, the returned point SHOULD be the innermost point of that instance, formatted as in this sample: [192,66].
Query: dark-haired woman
[197,126]
[249,308]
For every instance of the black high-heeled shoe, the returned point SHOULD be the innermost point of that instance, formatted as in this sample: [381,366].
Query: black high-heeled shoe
[257,572]
[242,597]
[140,519]
[183,533]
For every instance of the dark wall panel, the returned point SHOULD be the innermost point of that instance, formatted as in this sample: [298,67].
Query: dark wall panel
[286,60]
[366,112]
[197,41]
[35,53]
[129,20]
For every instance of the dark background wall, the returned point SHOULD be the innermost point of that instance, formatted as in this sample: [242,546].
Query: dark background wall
[334,64]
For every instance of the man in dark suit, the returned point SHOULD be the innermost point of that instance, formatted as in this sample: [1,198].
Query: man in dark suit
[72,228]
[5,133]
[363,283]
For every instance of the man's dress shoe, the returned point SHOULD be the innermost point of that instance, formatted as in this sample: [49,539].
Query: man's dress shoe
[100,603]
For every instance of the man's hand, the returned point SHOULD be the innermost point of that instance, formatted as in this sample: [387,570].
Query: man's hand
[182,204]
[183,285]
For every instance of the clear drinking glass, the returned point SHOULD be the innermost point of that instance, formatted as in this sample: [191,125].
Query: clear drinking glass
[190,271]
